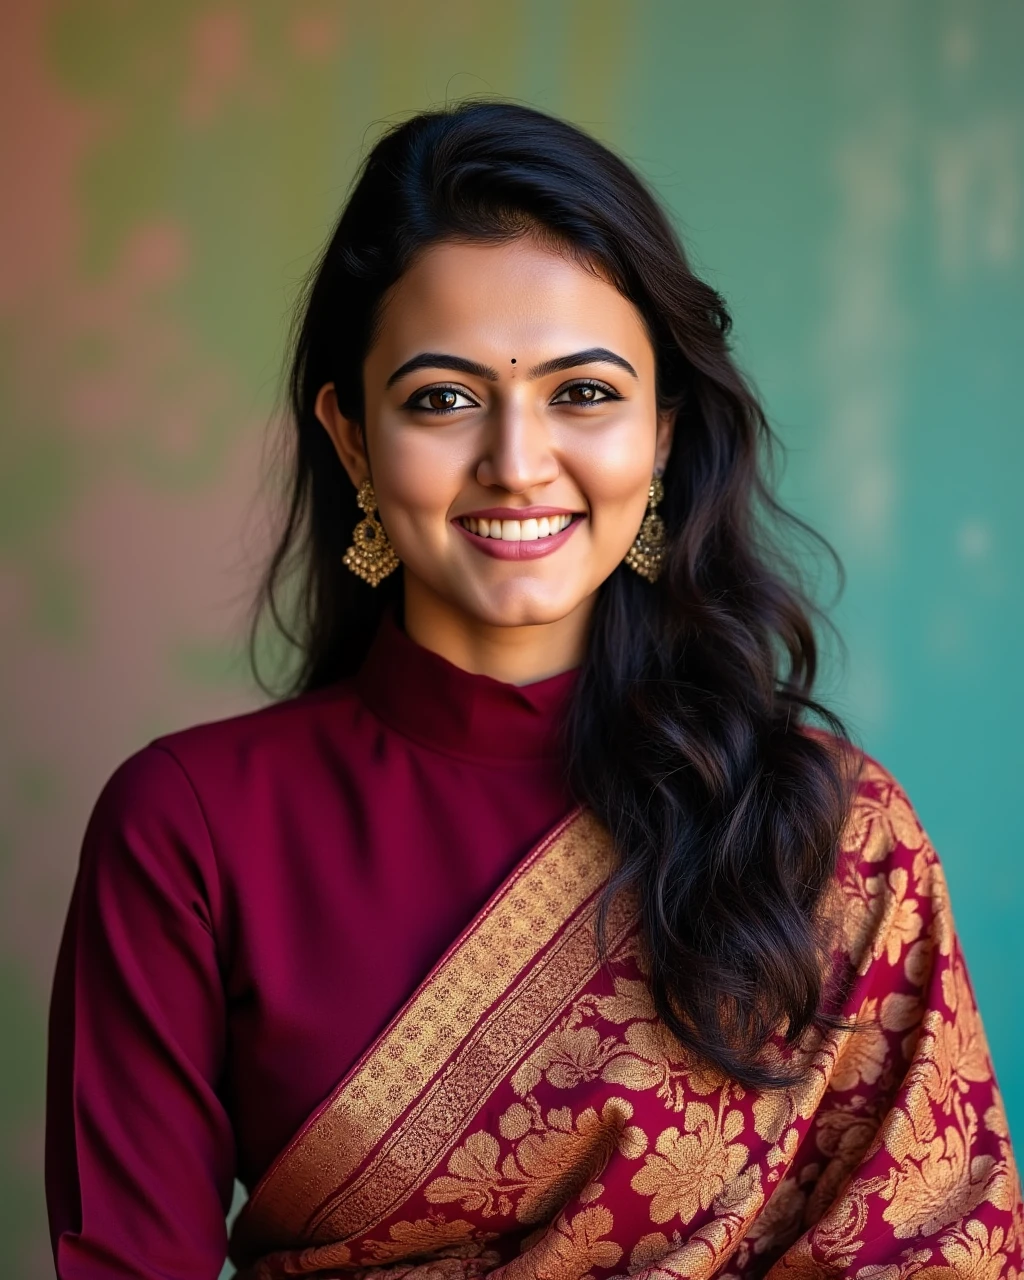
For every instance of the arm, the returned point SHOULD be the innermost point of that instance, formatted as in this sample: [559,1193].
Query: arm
[139,1149]
[907,1167]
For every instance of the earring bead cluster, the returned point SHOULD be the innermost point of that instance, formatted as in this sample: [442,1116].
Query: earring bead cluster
[371,556]
[647,554]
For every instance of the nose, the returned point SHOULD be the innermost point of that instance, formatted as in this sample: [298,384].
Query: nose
[518,454]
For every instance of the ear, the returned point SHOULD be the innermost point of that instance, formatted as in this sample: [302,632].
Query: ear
[346,434]
[663,439]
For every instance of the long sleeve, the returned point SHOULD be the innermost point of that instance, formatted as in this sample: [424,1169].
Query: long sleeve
[139,1149]
[256,897]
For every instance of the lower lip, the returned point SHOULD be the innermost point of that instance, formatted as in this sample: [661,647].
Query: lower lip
[532,550]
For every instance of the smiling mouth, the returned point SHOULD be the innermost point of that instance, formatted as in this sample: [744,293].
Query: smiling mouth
[531,530]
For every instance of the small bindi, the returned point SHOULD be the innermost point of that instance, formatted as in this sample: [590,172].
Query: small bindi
[513,359]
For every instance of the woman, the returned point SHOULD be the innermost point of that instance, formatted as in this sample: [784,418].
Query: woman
[538,931]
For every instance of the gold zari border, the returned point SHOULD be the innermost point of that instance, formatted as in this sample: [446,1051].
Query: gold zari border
[495,990]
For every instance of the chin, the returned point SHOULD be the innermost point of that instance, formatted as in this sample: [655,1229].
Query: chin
[519,608]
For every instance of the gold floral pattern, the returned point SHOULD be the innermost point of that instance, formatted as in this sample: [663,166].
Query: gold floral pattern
[555,1157]
[933,1174]
[565,1135]
[689,1170]
[572,1250]
[428,1237]
[644,1057]
[974,1252]
[865,1054]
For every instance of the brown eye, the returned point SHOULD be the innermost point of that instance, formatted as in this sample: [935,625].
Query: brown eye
[440,400]
[584,393]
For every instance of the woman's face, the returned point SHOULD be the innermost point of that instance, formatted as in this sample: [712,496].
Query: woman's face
[510,433]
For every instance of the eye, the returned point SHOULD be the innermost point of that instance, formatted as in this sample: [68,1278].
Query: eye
[585,393]
[440,400]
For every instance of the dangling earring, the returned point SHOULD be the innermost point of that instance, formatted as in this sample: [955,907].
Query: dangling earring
[647,554]
[370,556]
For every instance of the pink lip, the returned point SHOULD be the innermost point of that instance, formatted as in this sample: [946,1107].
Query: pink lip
[502,550]
[515,513]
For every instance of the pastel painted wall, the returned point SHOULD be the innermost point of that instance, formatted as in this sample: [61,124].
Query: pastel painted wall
[851,176]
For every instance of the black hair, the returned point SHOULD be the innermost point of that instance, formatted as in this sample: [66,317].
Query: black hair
[689,730]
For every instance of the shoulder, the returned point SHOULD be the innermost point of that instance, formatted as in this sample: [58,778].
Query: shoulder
[146,786]
[278,737]
[146,845]
[882,819]
[890,884]
[161,801]
[171,765]
[276,729]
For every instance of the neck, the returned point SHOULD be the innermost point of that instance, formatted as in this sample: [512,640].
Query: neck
[513,654]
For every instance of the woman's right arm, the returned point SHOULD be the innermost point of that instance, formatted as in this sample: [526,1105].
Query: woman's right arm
[139,1149]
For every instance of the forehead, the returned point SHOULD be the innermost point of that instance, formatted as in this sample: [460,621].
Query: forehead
[517,300]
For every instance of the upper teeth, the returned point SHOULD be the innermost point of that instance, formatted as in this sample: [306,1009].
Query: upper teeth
[516,530]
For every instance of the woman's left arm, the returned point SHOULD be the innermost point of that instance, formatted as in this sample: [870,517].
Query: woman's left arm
[907,1168]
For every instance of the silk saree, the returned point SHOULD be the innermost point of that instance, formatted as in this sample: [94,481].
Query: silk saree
[527,1116]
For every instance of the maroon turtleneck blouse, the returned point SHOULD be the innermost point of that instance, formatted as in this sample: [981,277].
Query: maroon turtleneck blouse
[256,898]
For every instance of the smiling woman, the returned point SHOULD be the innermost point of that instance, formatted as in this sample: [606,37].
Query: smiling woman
[546,925]
[574,421]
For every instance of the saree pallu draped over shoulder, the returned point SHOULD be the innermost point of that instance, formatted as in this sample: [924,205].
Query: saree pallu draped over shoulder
[527,1115]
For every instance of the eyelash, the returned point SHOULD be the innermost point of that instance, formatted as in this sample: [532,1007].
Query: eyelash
[412,404]
[607,393]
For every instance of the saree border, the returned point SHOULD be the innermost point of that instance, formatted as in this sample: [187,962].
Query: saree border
[495,989]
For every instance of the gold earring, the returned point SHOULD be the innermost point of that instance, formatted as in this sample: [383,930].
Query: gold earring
[371,557]
[647,554]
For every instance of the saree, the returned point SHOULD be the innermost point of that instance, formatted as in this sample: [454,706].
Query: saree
[526,1114]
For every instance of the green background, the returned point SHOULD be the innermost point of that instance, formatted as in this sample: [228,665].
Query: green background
[848,174]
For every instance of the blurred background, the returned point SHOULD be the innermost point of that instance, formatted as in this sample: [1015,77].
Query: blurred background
[849,175]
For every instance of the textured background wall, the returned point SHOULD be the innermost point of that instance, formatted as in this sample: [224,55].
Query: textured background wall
[850,175]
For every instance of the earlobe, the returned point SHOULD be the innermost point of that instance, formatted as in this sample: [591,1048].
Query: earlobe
[346,434]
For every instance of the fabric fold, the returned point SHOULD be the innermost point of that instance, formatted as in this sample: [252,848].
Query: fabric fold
[527,1115]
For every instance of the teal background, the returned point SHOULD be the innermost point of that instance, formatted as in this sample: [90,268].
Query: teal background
[848,174]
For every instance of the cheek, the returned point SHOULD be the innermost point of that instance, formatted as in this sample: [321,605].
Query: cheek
[614,468]
[418,475]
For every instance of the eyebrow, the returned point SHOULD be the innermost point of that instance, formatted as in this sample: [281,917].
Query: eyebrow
[441,360]
[444,360]
[593,355]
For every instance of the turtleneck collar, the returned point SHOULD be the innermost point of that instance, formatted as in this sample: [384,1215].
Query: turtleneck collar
[459,713]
